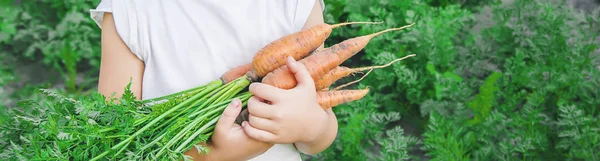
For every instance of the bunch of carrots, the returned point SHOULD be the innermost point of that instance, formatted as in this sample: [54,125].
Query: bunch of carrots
[180,121]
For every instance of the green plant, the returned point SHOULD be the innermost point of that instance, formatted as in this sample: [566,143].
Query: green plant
[546,58]
[502,81]
[363,135]
[6,74]
[58,33]
[7,30]
[84,127]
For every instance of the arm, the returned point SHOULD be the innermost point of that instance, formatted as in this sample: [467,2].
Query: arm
[327,138]
[118,64]
[322,142]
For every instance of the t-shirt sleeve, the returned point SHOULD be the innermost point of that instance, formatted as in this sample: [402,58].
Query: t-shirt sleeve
[98,13]
[125,18]
[303,9]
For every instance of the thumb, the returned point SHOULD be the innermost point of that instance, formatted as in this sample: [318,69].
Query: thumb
[300,72]
[229,115]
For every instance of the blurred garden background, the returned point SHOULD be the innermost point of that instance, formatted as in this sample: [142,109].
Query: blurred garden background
[492,79]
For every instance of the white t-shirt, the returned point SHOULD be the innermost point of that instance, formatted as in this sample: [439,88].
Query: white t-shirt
[187,43]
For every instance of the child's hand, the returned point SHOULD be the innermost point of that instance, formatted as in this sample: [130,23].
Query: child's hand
[229,135]
[291,116]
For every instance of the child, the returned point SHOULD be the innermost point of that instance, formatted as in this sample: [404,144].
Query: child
[166,46]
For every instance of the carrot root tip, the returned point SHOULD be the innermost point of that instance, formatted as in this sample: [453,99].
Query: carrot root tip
[353,82]
[391,29]
[370,68]
[356,70]
[352,23]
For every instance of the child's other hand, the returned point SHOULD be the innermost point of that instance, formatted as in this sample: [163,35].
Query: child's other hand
[227,136]
[291,116]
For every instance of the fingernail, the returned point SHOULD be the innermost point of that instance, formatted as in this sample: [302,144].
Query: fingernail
[291,58]
[291,61]
[235,102]
[244,124]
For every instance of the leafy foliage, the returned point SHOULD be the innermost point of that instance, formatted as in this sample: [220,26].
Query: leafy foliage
[62,128]
[502,81]
[6,74]
[366,129]
[483,102]
[578,133]
[94,127]
[61,35]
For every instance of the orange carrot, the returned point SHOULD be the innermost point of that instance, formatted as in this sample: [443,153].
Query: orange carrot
[297,45]
[328,99]
[339,72]
[319,63]
[355,81]
[333,75]
[235,73]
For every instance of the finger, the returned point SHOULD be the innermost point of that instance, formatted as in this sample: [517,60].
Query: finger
[258,134]
[265,91]
[300,72]
[229,115]
[263,100]
[263,124]
[259,108]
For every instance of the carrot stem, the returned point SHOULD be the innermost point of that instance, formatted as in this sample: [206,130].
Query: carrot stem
[206,97]
[153,142]
[243,98]
[191,90]
[226,93]
[183,131]
[154,121]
